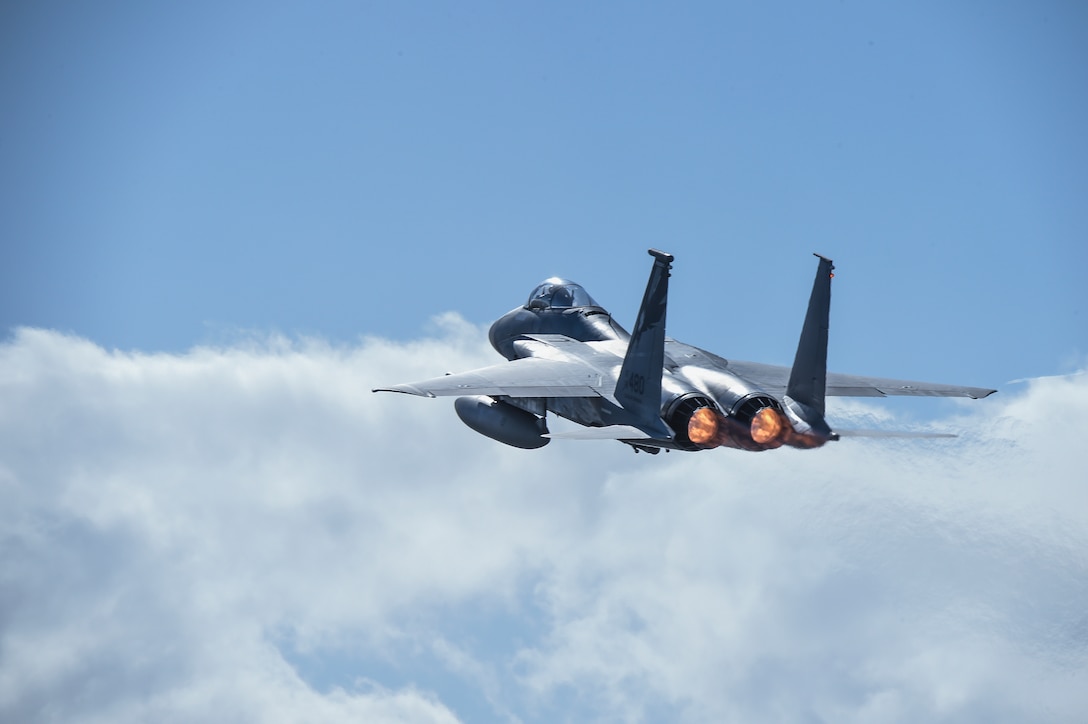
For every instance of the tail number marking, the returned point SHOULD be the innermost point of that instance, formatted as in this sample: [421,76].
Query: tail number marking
[635,384]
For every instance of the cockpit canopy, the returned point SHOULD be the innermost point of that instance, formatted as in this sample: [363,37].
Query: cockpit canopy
[556,293]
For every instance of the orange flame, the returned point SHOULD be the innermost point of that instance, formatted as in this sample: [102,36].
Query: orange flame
[767,426]
[703,427]
[768,429]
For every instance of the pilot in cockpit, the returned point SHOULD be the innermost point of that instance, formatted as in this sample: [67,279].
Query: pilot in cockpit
[562,297]
[559,294]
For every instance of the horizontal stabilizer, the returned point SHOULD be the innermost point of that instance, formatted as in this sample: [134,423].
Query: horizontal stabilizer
[893,433]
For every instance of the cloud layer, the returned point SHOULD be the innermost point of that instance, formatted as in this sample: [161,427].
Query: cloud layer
[248,534]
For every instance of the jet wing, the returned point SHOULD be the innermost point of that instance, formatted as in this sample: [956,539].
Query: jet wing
[527,377]
[774,378]
[856,386]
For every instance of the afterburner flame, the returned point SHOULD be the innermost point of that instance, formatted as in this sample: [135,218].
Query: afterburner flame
[767,426]
[767,430]
[703,427]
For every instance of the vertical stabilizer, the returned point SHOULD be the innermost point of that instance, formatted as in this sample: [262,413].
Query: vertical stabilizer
[639,386]
[808,378]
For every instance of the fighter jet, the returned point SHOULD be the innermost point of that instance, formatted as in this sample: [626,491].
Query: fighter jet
[568,356]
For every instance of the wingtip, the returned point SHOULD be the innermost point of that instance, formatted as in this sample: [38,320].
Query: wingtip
[405,390]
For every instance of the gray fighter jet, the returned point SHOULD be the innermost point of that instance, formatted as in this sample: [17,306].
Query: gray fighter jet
[569,357]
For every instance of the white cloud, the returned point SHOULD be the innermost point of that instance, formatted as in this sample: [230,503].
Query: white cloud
[249,534]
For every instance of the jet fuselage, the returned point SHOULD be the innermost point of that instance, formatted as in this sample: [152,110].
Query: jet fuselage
[537,330]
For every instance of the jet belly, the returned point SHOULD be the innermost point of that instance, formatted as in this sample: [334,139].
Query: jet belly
[589,411]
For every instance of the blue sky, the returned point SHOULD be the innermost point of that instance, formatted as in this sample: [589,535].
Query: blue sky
[222,224]
[173,174]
